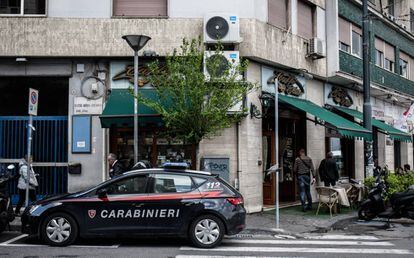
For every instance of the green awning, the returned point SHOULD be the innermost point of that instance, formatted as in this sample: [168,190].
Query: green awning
[394,133]
[119,109]
[345,127]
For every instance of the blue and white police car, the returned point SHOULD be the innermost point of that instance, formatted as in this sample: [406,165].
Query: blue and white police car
[162,202]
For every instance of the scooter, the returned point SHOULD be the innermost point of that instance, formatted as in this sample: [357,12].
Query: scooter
[6,208]
[402,204]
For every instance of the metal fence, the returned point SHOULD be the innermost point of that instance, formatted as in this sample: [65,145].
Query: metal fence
[50,150]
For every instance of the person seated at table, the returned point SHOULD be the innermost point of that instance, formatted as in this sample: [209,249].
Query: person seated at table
[328,170]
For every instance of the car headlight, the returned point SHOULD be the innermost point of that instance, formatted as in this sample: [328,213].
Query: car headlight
[34,208]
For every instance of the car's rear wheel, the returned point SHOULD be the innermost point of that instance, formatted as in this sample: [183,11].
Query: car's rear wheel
[206,231]
[59,229]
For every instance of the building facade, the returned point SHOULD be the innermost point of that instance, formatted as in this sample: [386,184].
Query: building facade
[72,51]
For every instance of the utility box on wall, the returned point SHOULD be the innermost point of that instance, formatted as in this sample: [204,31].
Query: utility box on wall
[75,168]
[216,165]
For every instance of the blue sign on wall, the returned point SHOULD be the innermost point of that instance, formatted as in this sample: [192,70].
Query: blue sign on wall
[81,134]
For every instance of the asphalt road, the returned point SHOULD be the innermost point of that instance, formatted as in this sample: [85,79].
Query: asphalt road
[14,244]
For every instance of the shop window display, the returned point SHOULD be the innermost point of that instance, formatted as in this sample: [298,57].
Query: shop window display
[153,148]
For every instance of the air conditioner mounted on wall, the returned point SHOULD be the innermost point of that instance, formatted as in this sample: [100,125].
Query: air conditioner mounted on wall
[221,27]
[316,48]
[225,60]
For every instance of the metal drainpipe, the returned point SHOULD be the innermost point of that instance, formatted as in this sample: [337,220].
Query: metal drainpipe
[237,181]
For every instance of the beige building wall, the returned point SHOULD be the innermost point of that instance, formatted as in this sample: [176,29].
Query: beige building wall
[389,155]
[251,176]
[315,134]
[223,144]
[381,149]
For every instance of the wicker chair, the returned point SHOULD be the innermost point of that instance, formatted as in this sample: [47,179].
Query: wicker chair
[353,194]
[327,197]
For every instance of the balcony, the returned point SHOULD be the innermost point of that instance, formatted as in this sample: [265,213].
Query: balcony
[353,65]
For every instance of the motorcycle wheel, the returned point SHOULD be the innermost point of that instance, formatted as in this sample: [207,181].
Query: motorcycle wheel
[365,214]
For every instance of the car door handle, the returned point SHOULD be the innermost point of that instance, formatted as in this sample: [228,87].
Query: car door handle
[138,205]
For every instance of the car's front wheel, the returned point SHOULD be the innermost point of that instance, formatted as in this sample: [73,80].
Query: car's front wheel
[206,231]
[59,229]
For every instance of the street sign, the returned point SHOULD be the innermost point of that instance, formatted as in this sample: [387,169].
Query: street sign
[33,101]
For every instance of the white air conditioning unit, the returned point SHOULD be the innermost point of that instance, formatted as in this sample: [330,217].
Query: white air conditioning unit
[221,27]
[316,48]
[225,60]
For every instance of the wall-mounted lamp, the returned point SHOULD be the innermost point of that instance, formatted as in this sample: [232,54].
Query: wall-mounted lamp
[255,112]
[392,98]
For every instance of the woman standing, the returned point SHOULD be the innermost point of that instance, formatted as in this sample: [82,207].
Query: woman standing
[24,171]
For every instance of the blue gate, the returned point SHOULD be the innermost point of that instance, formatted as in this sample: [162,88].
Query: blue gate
[49,149]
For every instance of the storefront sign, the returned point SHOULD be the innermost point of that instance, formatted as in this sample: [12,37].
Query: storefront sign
[84,106]
[162,141]
[340,97]
[288,83]
[122,74]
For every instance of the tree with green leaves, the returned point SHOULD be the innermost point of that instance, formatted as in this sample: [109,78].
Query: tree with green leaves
[192,105]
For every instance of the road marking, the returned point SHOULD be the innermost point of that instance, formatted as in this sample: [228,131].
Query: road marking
[13,239]
[304,242]
[10,241]
[256,249]
[221,256]
[341,237]
[70,246]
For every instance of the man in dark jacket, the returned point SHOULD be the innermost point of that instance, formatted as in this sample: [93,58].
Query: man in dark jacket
[304,170]
[328,170]
[115,167]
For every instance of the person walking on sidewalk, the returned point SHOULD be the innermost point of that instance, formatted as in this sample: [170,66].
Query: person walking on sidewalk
[328,170]
[304,170]
[24,172]
[115,167]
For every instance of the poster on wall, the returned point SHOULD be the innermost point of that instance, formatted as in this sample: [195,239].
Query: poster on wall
[81,134]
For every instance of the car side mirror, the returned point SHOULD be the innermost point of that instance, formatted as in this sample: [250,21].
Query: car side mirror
[102,192]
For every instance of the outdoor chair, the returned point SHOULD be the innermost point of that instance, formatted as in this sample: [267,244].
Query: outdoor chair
[353,194]
[327,197]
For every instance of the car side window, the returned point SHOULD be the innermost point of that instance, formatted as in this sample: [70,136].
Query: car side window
[130,185]
[164,183]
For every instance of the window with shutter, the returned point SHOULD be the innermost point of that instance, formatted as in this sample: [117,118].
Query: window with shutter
[344,34]
[142,8]
[277,13]
[305,20]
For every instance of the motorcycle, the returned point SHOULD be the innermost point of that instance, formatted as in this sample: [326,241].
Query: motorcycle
[6,208]
[402,204]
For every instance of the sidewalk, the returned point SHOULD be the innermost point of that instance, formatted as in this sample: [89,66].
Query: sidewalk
[295,222]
